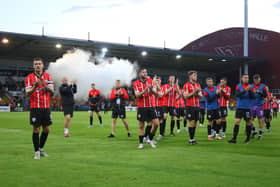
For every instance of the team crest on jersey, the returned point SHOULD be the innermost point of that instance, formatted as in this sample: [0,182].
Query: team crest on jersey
[33,119]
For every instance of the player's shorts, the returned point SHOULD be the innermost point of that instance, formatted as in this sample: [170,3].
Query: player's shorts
[118,112]
[257,111]
[192,113]
[160,112]
[180,112]
[94,108]
[275,109]
[267,114]
[243,113]
[146,114]
[68,109]
[223,111]
[213,114]
[170,110]
[40,117]
[202,111]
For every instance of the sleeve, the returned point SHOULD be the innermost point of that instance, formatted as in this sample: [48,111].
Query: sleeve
[89,94]
[227,93]
[28,83]
[186,88]
[50,82]
[125,95]
[135,87]
[112,95]
[205,93]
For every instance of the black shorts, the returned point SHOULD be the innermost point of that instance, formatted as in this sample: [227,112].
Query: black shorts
[94,108]
[192,113]
[267,114]
[160,112]
[170,110]
[213,114]
[243,113]
[202,111]
[180,112]
[275,109]
[40,117]
[118,112]
[68,109]
[224,112]
[146,114]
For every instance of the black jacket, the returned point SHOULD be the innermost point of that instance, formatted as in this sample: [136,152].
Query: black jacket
[67,93]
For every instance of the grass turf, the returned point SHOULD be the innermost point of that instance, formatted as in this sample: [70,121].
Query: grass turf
[89,158]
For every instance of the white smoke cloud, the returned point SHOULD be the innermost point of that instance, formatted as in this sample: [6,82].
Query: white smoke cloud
[80,65]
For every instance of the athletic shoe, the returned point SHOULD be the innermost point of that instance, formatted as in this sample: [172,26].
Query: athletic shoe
[154,142]
[268,131]
[101,125]
[90,126]
[144,139]
[218,137]
[159,137]
[66,135]
[213,132]
[172,134]
[259,137]
[254,134]
[37,155]
[210,138]
[223,134]
[43,153]
[178,131]
[151,142]
[232,141]
[129,134]
[194,142]
[111,136]
[247,141]
[186,129]
[141,146]
[201,125]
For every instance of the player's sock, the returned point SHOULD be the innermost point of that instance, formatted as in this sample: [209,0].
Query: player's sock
[147,131]
[43,139]
[151,136]
[172,125]
[35,139]
[202,119]
[235,131]
[194,128]
[224,126]
[178,124]
[253,128]
[141,139]
[260,131]
[209,129]
[185,123]
[248,131]
[218,127]
[90,120]
[191,132]
[161,128]
[164,124]
[267,125]
[100,119]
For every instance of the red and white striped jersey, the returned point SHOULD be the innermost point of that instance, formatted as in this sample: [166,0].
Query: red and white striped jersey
[267,102]
[171,96]
[224,96]
[147,99]
[193,101]
[180,103]
[40,98]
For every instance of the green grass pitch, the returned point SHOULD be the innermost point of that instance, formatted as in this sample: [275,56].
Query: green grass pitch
[89,158]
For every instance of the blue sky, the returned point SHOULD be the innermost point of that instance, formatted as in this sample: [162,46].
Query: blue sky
[147,22]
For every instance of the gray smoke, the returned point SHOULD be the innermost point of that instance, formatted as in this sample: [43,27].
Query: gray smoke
[86,69]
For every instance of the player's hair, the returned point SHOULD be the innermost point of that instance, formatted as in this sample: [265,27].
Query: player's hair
[118,80]
[37,59]
[141,69]
[172,76]
[209,78]
[256,76]
[191,72]
[244,74]
[92,84]
[224,79]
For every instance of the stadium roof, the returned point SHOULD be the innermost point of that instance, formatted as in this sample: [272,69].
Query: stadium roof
[26,46]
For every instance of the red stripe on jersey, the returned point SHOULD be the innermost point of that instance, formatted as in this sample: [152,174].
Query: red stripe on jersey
[180,103]
[171,96]
[40,98]
[147,99]
[267,103]
[224,96]
[193,100]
